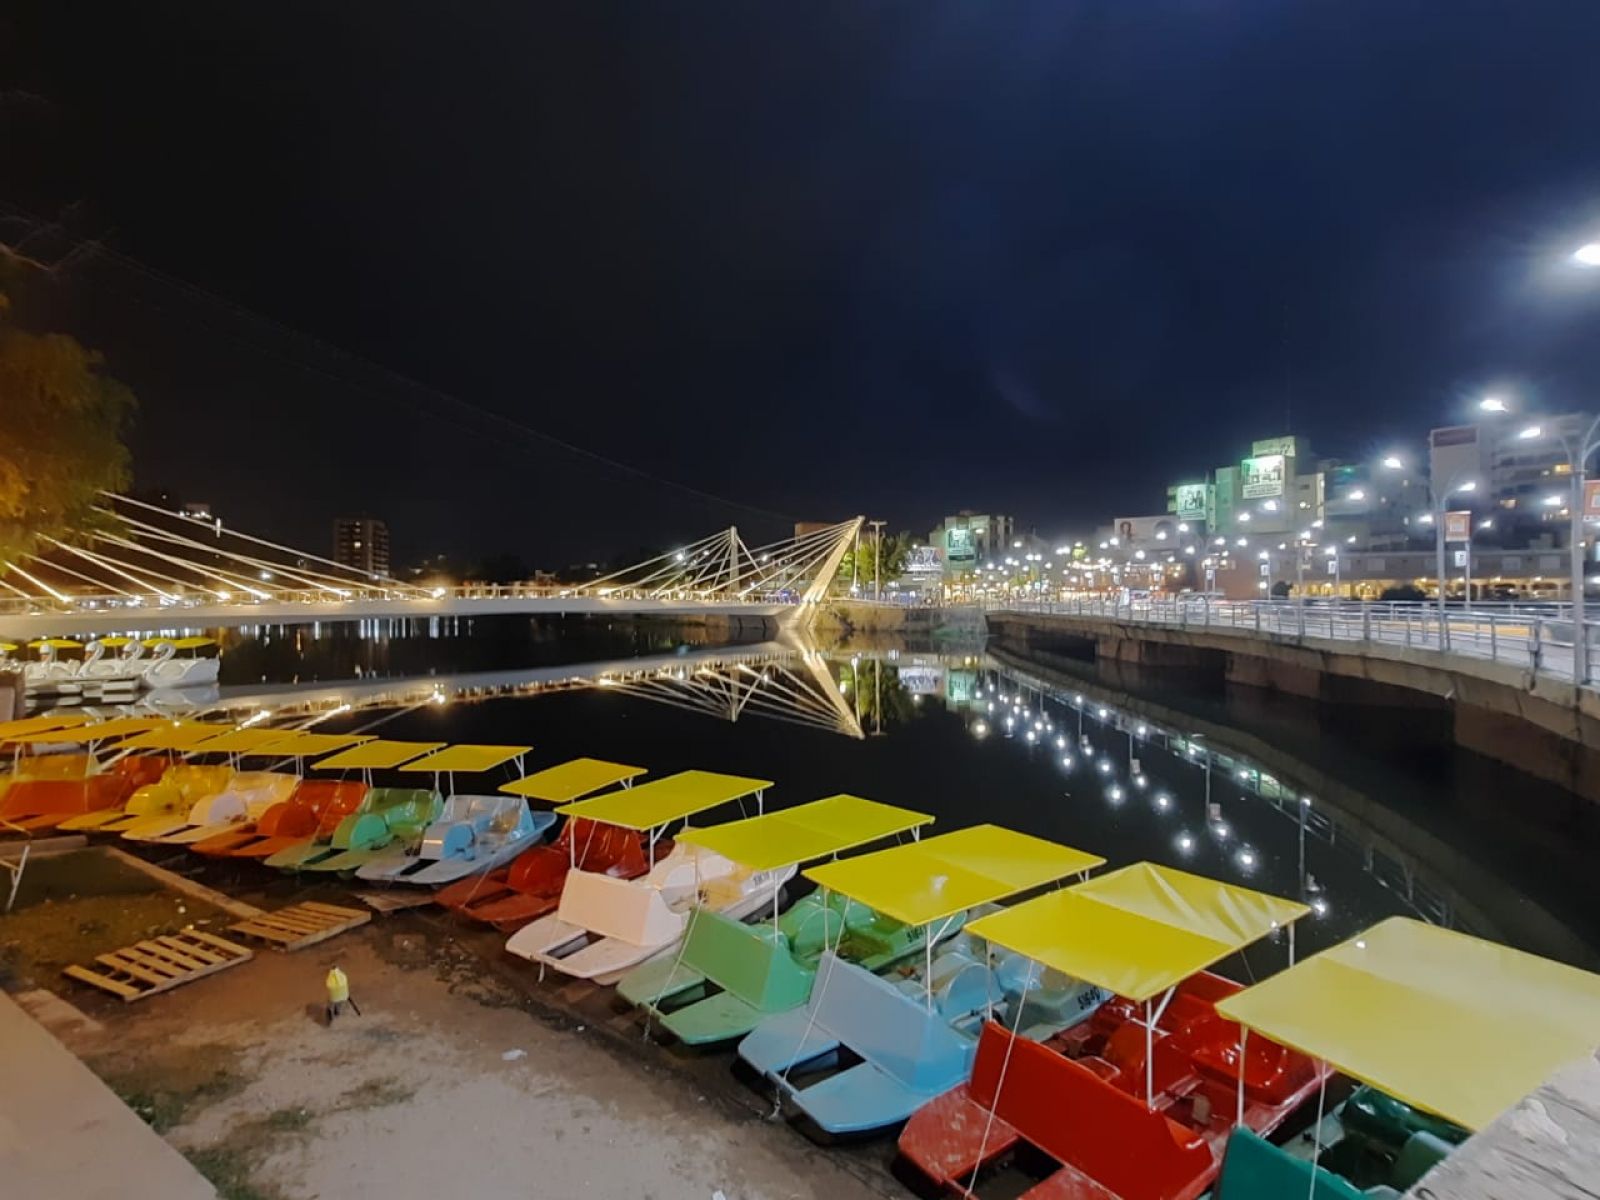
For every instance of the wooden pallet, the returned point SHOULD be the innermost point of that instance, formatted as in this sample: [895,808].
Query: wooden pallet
[160,964]
[302,925]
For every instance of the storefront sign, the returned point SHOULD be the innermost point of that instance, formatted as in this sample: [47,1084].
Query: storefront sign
[1591,499]
[1458,526]
[1261,477]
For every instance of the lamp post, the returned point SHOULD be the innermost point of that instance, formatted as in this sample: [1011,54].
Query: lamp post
[1578,454]
[1440,500]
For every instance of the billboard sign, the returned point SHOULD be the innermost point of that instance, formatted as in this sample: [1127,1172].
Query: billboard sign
[960,547]
[1591,499]
[1270,446]
[924,560]
[1458,526]
[1261,477]
[1190,501]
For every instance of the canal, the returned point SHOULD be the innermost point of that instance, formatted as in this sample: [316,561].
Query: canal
[1362,818]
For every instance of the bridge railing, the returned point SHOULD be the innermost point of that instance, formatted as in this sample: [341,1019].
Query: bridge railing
[423,598]
[1537,637]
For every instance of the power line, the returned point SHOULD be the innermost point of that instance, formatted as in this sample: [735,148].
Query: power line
[389,374]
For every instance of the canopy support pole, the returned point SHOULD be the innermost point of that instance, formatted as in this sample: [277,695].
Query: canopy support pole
[1244,1036]
[1149,1045]
[927,970]
[1291,943]
[1316,1134]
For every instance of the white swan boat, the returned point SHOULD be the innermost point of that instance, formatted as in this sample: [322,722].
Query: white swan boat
[177,663]
[606,925]
[49,674]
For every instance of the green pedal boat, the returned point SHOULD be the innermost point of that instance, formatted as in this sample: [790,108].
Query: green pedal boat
[730,975]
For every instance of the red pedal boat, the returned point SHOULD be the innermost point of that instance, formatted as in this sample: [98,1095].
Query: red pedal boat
[1137,1102]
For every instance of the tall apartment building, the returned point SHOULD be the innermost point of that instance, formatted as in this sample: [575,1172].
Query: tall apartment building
[362,544]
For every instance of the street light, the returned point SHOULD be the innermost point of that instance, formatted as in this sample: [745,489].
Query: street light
[1587,255]
[1578,454]
[1441,498]
[1493,404]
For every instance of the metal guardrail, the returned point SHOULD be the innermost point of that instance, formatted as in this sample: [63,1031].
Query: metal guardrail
[1537,637]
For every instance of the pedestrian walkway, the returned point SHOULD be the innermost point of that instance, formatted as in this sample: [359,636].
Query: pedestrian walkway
[64,1133]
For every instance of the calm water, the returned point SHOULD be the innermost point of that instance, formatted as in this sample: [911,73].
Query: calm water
[1397,821]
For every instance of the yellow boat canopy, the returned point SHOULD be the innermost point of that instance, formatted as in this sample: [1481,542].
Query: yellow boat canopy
[565,782]
[664,800]
[115,643]
[96,731]
[376,754]
[245,741]
[176,735]
[308,745]
[13,731]
[806,832]
[1446,1022]
[7,647]
[1140,930]
[938,877]
[468,758]
[55,644]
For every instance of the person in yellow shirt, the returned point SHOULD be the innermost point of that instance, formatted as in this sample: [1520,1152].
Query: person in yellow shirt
[338,984]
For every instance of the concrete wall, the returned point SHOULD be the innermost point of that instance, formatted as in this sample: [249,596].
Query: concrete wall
[1538,725]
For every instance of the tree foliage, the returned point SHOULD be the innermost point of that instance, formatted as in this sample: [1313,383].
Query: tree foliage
[860,566]
[61,424]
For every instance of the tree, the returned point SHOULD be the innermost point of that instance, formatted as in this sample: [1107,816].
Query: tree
[61,424]
[861,568]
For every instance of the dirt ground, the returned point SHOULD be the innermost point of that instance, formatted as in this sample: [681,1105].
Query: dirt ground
[450,1083]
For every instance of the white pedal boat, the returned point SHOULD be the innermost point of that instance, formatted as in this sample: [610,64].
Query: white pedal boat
[605,925]
[246,798]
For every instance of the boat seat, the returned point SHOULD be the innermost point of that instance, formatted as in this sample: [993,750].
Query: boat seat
[1422,1152]
[1379,1118]
[1084,1122]
[1254,1169]
[753,962]
[609,907]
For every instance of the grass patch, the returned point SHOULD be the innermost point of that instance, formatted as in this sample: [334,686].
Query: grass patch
[375,1093]
[165,1107]
[230,1167]
[288,1120]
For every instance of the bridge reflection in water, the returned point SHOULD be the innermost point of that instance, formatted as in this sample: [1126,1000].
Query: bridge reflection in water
[1209,793]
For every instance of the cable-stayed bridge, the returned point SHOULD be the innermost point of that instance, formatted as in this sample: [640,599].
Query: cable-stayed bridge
[147,568]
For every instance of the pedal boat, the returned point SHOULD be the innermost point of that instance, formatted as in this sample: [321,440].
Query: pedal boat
[248,794]
[605,925]
[294,818]
[1419,1016]
[866,1050]
[1136,1102]
[729,975]
[509,897]
[446,847]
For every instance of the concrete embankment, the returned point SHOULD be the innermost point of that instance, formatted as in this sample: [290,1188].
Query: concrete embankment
[844,617]
[1548,729]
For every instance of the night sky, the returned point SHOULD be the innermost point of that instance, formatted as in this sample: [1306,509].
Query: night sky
[820,259]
